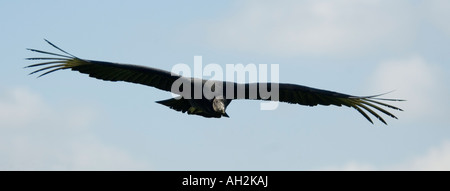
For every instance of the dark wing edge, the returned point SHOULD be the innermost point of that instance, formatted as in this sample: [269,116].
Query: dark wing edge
[303,95]
[107,71]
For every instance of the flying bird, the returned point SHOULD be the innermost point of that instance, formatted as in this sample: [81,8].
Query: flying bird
[206,106]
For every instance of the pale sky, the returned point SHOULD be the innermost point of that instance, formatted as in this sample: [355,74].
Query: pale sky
[68,121]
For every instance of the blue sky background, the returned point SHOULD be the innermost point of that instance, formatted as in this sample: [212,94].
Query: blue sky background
[68,121]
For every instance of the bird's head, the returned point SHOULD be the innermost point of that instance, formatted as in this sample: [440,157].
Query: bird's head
[219,106]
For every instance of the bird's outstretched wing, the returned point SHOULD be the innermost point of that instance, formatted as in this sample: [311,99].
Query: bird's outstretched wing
[303,95]
[290,93]
[104,70]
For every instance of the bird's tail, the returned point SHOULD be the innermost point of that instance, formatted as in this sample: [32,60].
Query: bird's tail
[183,105]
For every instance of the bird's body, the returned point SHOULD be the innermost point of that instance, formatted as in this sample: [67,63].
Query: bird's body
[223,92]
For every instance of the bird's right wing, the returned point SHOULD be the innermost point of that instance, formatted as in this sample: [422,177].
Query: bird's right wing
[105,70]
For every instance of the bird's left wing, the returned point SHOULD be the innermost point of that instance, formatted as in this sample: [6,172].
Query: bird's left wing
[303,95]
[108,71]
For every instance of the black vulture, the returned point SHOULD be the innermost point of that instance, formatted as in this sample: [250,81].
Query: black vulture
[208,106]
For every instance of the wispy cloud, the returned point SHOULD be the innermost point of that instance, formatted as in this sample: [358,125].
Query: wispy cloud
[417,81]
[316,27]
[436,159]
[19,107]
[37,136]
